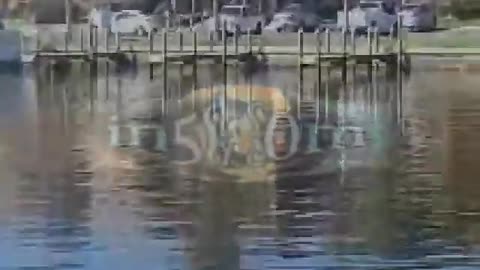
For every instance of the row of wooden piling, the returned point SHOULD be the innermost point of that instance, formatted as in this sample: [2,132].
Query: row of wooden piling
[373,40]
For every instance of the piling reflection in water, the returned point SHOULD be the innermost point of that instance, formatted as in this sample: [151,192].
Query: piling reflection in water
[101,172]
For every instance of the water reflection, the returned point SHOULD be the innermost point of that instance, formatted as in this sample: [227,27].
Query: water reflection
[104,169]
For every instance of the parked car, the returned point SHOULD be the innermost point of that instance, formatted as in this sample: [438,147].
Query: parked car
[239,17]
[419,17]
[284,22]
[296,13]
[370,14]
[131,22]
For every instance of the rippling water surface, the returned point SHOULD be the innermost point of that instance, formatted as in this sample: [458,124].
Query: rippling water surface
[105,169]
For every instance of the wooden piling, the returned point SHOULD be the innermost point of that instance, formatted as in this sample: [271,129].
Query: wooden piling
[369,43]
[118,41]
[224,61]
[319,74]
[327,93]
[249,41]
[354,40]
[327,40]
[90,37]
[392,33]
[194,71]
[210,39]
[66,40]
[399,72]
[235,41]
[376,39]
[96,39]
[300,91]
[300,46]
[224,42]
[344,41]
[180,40]
[107,41]
[81,40]
[165,46]
[165,71]
[151,40]
[195,45]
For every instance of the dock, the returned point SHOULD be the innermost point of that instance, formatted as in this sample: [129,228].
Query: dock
[189,46]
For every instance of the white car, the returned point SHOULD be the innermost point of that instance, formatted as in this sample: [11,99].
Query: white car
[131,22]
[239,17]
[369,14]
[419,17]
[284,22]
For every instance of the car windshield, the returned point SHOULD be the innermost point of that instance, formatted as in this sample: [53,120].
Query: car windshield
[232,10]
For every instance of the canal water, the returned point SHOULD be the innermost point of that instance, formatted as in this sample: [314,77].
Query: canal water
[265,168]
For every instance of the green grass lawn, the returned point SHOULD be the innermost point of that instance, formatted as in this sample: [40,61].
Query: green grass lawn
[454,33]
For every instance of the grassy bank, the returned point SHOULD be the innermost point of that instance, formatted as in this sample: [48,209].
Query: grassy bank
[452,33]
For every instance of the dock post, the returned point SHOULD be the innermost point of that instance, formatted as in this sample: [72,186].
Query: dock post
[392,33]
[165,71]
[194,71]
[165,46]
[224,42]
[328,40]
[81,40]
[370,44]
[180,40]
[66,40]
[151,40]
[90,37]
[354,40]
[235,41]
[344,42]
[249,41]
[118,44]
[319,74]
[327,93]
[300,46]
[107,41]
[224,60]
[376,38]
[195,45]
[300,91]
[399,71]
[210,39]
[96,39]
